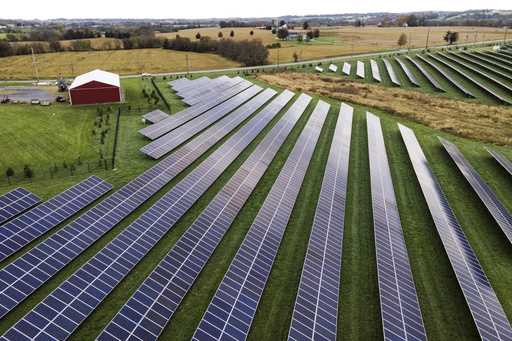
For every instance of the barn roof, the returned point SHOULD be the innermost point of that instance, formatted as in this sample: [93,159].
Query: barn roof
[98,76]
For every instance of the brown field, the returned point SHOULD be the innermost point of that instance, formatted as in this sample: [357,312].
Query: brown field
[69,64]
[334,41]
[467,119]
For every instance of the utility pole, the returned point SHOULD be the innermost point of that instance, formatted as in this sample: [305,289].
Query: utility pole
[34,65]
[428,37]
[505,38]
[188,65]
[278,58]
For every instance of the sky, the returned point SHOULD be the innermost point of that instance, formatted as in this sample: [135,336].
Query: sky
[160,9]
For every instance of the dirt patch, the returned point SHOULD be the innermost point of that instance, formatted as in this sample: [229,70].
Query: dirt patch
[473,120]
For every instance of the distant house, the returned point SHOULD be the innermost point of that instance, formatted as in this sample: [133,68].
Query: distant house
[95,87]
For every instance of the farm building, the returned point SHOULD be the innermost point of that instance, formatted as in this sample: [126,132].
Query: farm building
[95,87]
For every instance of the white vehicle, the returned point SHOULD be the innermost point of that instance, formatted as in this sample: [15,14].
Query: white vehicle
[319,69]
[333,68]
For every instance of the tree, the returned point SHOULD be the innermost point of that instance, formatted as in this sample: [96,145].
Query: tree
[198,36]
[282,33]
[310,35]
[282,23]
[274,31]
[402,40]
[251,33]
[56,46]
[295,57]
[305,25]
[232,33]
[220,35]
[9,173]
[27,171]
[451,37]
[316,33]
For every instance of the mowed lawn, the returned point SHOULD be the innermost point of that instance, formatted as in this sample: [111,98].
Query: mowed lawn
[68,64]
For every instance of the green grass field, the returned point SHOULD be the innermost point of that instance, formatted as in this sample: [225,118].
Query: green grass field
[443,307]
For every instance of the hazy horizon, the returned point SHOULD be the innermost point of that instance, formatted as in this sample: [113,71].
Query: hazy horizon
[158,9]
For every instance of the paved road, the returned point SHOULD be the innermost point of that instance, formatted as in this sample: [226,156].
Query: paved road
[273,66]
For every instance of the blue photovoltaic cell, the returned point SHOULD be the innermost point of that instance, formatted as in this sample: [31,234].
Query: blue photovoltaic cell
[486,310]
[483,87]
[484,192]
[426,74]
[391,72]
[174,276]
[172,122]
[88,286]
[22,277]
[22,230]
[315,313]
[447,76]
[400,309]
[155,116]
[502,160]
[15,202]
[375,71]
[232,309]
[408,72]
[173,139]
[217,89]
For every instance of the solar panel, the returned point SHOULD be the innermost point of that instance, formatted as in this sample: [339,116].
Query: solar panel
[495,57]
[427,75]
[88,286]
[177,272]
[232,309]
[400,310]
[408,72]
[504,54]
[478,71]
[315,313]
[155,116]
[487,60]
[193,84]
[15,202]
[487,312]
[333,68]
[156,130]
[173,139]
[50,256]
[502,160]
[215,90]
[448,77]
[375,71]
[198,90]
[482,65]
[22,230]
[484,192]
[391,72]
[360,69]
[483,87]
[346,68]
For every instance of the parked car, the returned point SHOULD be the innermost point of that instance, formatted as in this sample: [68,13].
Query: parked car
[60,99]
[46,103]
[35,102]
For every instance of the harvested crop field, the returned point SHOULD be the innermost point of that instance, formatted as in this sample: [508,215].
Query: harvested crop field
[464,118]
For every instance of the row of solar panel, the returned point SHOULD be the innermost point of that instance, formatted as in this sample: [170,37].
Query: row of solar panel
[16,202]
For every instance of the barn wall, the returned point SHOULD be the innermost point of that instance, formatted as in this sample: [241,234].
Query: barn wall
[81,96]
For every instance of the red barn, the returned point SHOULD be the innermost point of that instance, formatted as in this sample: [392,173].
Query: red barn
[95,87]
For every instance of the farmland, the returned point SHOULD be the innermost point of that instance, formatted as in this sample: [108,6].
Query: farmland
[470,125]
[334,41]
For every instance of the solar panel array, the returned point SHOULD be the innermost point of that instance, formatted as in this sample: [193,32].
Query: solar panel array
[156,130]
[360,69]
[495,57]
[408,72]
[391,72]
[59,314]
[50,256]
[400,310]
[15,202]
[487,312]
[482,65]
[476,70]
[448,77]
[193,84]
[483,87]
[178,82]
[505,54]
[24,229]
[233,307]
[315,313]
[484,192]
[502,160]
[173,139]
[217,89]
[375,71]
[426,74]
[490,61]
[155,116]
[163,290]
[346,68]
[205,86]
